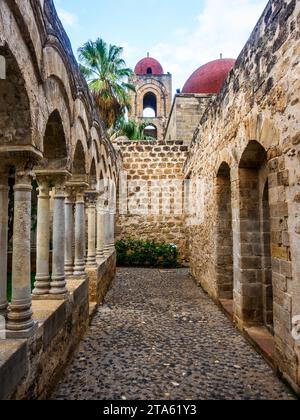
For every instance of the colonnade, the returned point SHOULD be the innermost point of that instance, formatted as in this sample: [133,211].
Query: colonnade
[82,220]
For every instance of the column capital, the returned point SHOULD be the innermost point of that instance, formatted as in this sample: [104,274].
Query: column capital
[79,189]
[91,197]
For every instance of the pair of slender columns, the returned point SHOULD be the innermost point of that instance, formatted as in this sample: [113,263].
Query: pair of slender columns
[109,232]
[57,284]
[100,230]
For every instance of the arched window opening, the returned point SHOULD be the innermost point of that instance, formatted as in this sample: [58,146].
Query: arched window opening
[149,70]
[151,131]
[150,105]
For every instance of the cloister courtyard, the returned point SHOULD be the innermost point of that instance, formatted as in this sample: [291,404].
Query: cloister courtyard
[149,242]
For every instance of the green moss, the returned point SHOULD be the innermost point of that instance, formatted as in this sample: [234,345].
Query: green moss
[9,285]
[132,253]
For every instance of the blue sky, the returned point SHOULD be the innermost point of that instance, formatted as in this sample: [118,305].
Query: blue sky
[181,34]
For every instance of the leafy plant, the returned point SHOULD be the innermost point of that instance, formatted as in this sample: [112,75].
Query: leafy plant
[131,253]
[131,129]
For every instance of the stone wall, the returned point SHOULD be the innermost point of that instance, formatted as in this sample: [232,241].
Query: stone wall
[157,162]
[185,115]
[247,146]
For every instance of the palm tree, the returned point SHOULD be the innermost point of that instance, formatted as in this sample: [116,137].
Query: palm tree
[107,76]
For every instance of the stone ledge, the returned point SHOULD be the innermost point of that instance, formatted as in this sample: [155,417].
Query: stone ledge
[100,278]
[13,365]
[28,368]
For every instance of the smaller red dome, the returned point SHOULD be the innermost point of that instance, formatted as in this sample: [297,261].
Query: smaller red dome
[209,78]
[148,65]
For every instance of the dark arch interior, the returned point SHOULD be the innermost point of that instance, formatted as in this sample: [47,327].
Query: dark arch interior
[93,175]
[79,160]
[224,258]
[150,103]
[15,118]
[151,131]
[149,70]
[55,147]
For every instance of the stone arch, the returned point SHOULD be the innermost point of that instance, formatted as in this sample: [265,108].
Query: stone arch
[15,108]
[224,233]
[157,90]
[57,98]
[55,67]
[254,253]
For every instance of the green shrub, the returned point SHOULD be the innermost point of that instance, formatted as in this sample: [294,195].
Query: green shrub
[132,253]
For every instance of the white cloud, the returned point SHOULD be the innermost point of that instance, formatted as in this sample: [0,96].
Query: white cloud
[222,27]
[68,19]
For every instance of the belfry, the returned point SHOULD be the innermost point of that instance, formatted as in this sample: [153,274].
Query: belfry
[151,103]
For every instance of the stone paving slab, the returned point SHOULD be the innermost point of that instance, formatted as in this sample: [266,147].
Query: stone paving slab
[159,336]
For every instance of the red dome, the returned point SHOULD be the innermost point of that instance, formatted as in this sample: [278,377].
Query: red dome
[148,65]
[209,78]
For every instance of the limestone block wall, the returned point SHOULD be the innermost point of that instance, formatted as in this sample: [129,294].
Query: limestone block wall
[145,163]
[185,116]
[249,141]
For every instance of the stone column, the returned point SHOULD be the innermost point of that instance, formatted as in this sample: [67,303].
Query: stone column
[79,265]
[20,322]
[3,241]
[69,233]
[58,281]
[107,233]
[100,231]
[42,284]
[112,230]
[91,258]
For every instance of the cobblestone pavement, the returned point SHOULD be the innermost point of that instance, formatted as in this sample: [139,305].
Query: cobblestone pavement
[159,336]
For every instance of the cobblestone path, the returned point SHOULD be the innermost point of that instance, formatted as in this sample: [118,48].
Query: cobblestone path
[158,336]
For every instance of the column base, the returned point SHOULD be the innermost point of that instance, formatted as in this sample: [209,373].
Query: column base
[23,334]
[91,262]
[69,269]
[58,286]
[41,286]
[79,269]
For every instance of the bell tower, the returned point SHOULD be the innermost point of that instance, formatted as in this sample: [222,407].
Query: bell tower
[151,103]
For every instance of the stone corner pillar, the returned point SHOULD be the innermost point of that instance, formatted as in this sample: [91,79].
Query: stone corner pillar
[19,319]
